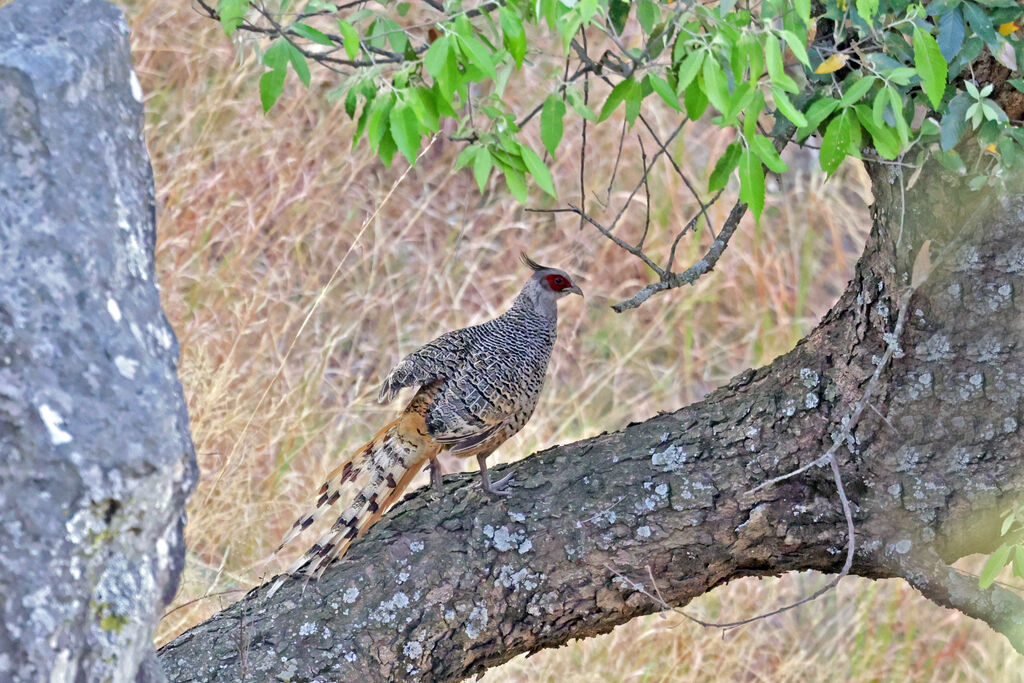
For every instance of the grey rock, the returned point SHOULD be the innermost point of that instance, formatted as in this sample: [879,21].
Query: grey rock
[96,460]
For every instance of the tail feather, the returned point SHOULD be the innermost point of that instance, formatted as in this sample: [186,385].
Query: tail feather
[367,484]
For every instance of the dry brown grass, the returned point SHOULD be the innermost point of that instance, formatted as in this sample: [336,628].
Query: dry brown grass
[291,305]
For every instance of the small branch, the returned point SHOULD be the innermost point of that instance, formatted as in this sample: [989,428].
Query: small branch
[691,274]
[647,194]
[682,176]
[639,253]
[1000,608]
[583,135]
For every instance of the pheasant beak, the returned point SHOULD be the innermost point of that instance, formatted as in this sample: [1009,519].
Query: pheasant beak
[575,290]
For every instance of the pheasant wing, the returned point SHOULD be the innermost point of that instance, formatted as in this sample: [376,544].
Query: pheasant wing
[433,361]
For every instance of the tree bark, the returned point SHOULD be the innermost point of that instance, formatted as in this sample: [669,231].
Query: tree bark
[95,455]
[443,589]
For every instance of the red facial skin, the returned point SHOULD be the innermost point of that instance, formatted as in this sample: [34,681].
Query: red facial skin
[557,282]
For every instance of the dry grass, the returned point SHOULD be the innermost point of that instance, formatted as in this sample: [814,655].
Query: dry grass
[294,282]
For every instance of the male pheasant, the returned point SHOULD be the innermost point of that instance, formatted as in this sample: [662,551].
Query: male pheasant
[476,388]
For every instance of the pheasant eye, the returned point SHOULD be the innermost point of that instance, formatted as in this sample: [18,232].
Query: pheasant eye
[557,282]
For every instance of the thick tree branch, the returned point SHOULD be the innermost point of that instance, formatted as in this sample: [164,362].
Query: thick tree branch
[443,589]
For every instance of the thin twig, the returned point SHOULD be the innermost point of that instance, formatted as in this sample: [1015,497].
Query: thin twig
[647,194]
[699,268]
[615,168]
[620,242]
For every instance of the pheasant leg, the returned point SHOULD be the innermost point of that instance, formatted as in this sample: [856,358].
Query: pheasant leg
[435,477]
[498,488]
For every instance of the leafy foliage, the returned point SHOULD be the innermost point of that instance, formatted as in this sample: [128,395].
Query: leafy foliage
[859,74]
[1010,552]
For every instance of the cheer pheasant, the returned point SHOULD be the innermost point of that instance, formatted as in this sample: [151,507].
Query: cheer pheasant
[476,388]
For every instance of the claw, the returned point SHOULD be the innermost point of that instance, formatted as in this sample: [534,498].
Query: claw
[497,488]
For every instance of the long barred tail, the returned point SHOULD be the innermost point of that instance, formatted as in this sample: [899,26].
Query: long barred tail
[367,485]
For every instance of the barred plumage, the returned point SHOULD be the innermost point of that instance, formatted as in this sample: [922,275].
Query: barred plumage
[476,388]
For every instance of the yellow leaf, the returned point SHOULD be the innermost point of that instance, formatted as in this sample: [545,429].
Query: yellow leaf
[1008,28]
[992,148]
[833,63]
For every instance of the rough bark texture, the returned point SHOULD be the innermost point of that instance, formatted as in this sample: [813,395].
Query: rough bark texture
[442,589]
[95,455]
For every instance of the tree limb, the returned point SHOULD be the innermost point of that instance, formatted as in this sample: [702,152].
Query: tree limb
[443,589]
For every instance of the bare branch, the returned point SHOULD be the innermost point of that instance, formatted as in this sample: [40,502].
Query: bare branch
[691,274]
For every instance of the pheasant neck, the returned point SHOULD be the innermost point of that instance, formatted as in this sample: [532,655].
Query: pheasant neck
[533,301]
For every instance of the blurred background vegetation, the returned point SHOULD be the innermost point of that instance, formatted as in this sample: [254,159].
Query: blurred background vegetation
[296,271]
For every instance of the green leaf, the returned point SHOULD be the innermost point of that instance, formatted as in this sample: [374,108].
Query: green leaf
[901,75]
[350,39]
[883,138]
[467,156]
[405,131]
[661,86]
[930,65]
[896,102]
[857,90]
[276,56]
[551,116]
[751,112]
[783,104]
[516,183]
[385,31]
[482,168]
[386,149]
[951,34]
[514,35]
[378,121]
[423,103]
[993,565]
[618,13]
[867,9]
[298,61]
[724,167]
[688,69]
[271,85]
[629,91]
[310,33]
[231,13]
[819,110]
[436,56]
[738,101]
[878,107]
[478,54]
[537,169]
[715,87]
[776,70]
[841,134]
[1007,523]
[695,101]
[797,46]
[647,14]
[765,151]
[803,10]
[752,183]
[951,160]
[980,22]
